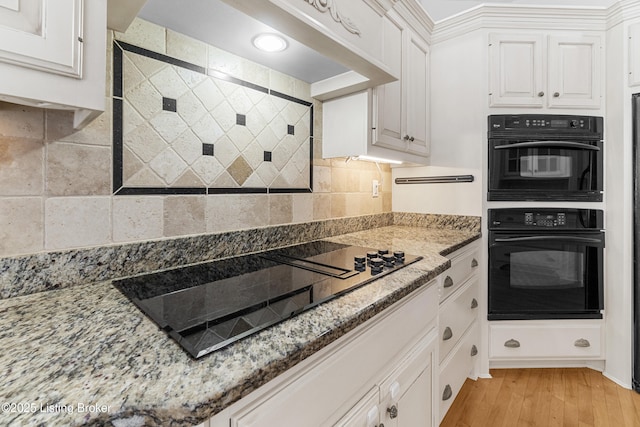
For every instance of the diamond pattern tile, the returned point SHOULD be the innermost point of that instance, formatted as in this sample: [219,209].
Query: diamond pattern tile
[170,112]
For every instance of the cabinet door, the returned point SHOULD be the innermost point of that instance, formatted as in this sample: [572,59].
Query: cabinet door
[417,96]
[516,69]
[574,71]
[43,36]
[414,407]
[364,414]
[388,98]
[407,394]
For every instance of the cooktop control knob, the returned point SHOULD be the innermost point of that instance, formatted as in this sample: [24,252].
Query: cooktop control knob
[399,256]
[383,251]
[376,265]
[359,263]
[359,259]
[389,260]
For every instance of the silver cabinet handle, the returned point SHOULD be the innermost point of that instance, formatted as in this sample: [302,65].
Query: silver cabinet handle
[556,94]
[412,139]
[393,411]
[582,343]
[474,263]
[447,334]
[406,137]
[447,393]
[474,303]
[474,350]
[448,282]
[512,343]
[540,94]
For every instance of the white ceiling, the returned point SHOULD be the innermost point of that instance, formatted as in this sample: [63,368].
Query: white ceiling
[218,24]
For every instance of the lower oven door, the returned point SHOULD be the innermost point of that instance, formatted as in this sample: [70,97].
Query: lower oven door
[545,275]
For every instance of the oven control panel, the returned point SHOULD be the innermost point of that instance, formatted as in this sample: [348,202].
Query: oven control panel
[545,218]
[543,124]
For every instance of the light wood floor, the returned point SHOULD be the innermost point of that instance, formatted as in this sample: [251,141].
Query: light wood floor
[546,398]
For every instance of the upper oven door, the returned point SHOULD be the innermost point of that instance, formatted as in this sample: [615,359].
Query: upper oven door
[525,169]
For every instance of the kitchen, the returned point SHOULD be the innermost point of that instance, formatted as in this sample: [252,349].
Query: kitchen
[77,212]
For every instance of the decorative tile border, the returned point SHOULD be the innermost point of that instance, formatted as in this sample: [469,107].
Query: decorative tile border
[179,128]
[54,270]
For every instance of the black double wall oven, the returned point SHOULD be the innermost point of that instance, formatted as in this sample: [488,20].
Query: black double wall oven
[545,262]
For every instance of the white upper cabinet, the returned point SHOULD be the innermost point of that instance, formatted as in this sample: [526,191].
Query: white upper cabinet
[540,70]
[516,70]
[40,37]
[574,71]
[402,110]
[53,55]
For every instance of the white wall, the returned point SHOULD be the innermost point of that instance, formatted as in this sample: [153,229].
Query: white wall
[618,197]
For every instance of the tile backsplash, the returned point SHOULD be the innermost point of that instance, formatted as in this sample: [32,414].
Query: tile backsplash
[57,184]
[180,128]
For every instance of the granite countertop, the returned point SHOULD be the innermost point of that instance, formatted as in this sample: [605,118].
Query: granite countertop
[87,356]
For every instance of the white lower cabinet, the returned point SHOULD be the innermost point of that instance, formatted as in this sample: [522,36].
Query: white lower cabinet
[455,369]
[546,340]
[385,363]
[459,336]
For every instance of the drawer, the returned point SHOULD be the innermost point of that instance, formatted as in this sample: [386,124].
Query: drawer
[464,263]
[457,367]
[537,341]
[456,314]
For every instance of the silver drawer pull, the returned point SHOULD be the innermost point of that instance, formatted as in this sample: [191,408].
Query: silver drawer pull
[448,282]
[447,334]
[512,343]
[582,343]
[474,350]
[474,303]
[474,263]
[446,395]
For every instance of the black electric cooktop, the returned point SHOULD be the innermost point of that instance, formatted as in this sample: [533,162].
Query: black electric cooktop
[208,306]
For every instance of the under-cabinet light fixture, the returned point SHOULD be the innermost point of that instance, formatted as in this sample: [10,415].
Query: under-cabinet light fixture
[269,42]
[378,160]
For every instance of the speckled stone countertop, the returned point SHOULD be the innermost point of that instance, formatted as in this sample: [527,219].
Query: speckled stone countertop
[87,356]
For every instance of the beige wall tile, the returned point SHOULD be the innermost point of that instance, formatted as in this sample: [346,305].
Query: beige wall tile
[338,205]
[144,34]
[321,206]
[21,227]
[302,208]
[21,167]
[233,212]
[72,222]
[187,49]
[322,179]
[59,127]
[280,209]
[184,215]
[137,218]
[225,62]
[20,121]
[78,170]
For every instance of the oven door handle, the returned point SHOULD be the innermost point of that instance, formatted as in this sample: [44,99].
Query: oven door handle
[554,144]
[568,239]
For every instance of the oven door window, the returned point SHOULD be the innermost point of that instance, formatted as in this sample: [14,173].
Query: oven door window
[543,275]
[546,269]
[543,165]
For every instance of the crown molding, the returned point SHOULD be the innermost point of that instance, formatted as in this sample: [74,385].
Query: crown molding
[622,11]
[519,17]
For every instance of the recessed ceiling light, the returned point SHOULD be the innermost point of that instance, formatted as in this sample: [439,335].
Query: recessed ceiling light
[270,42]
